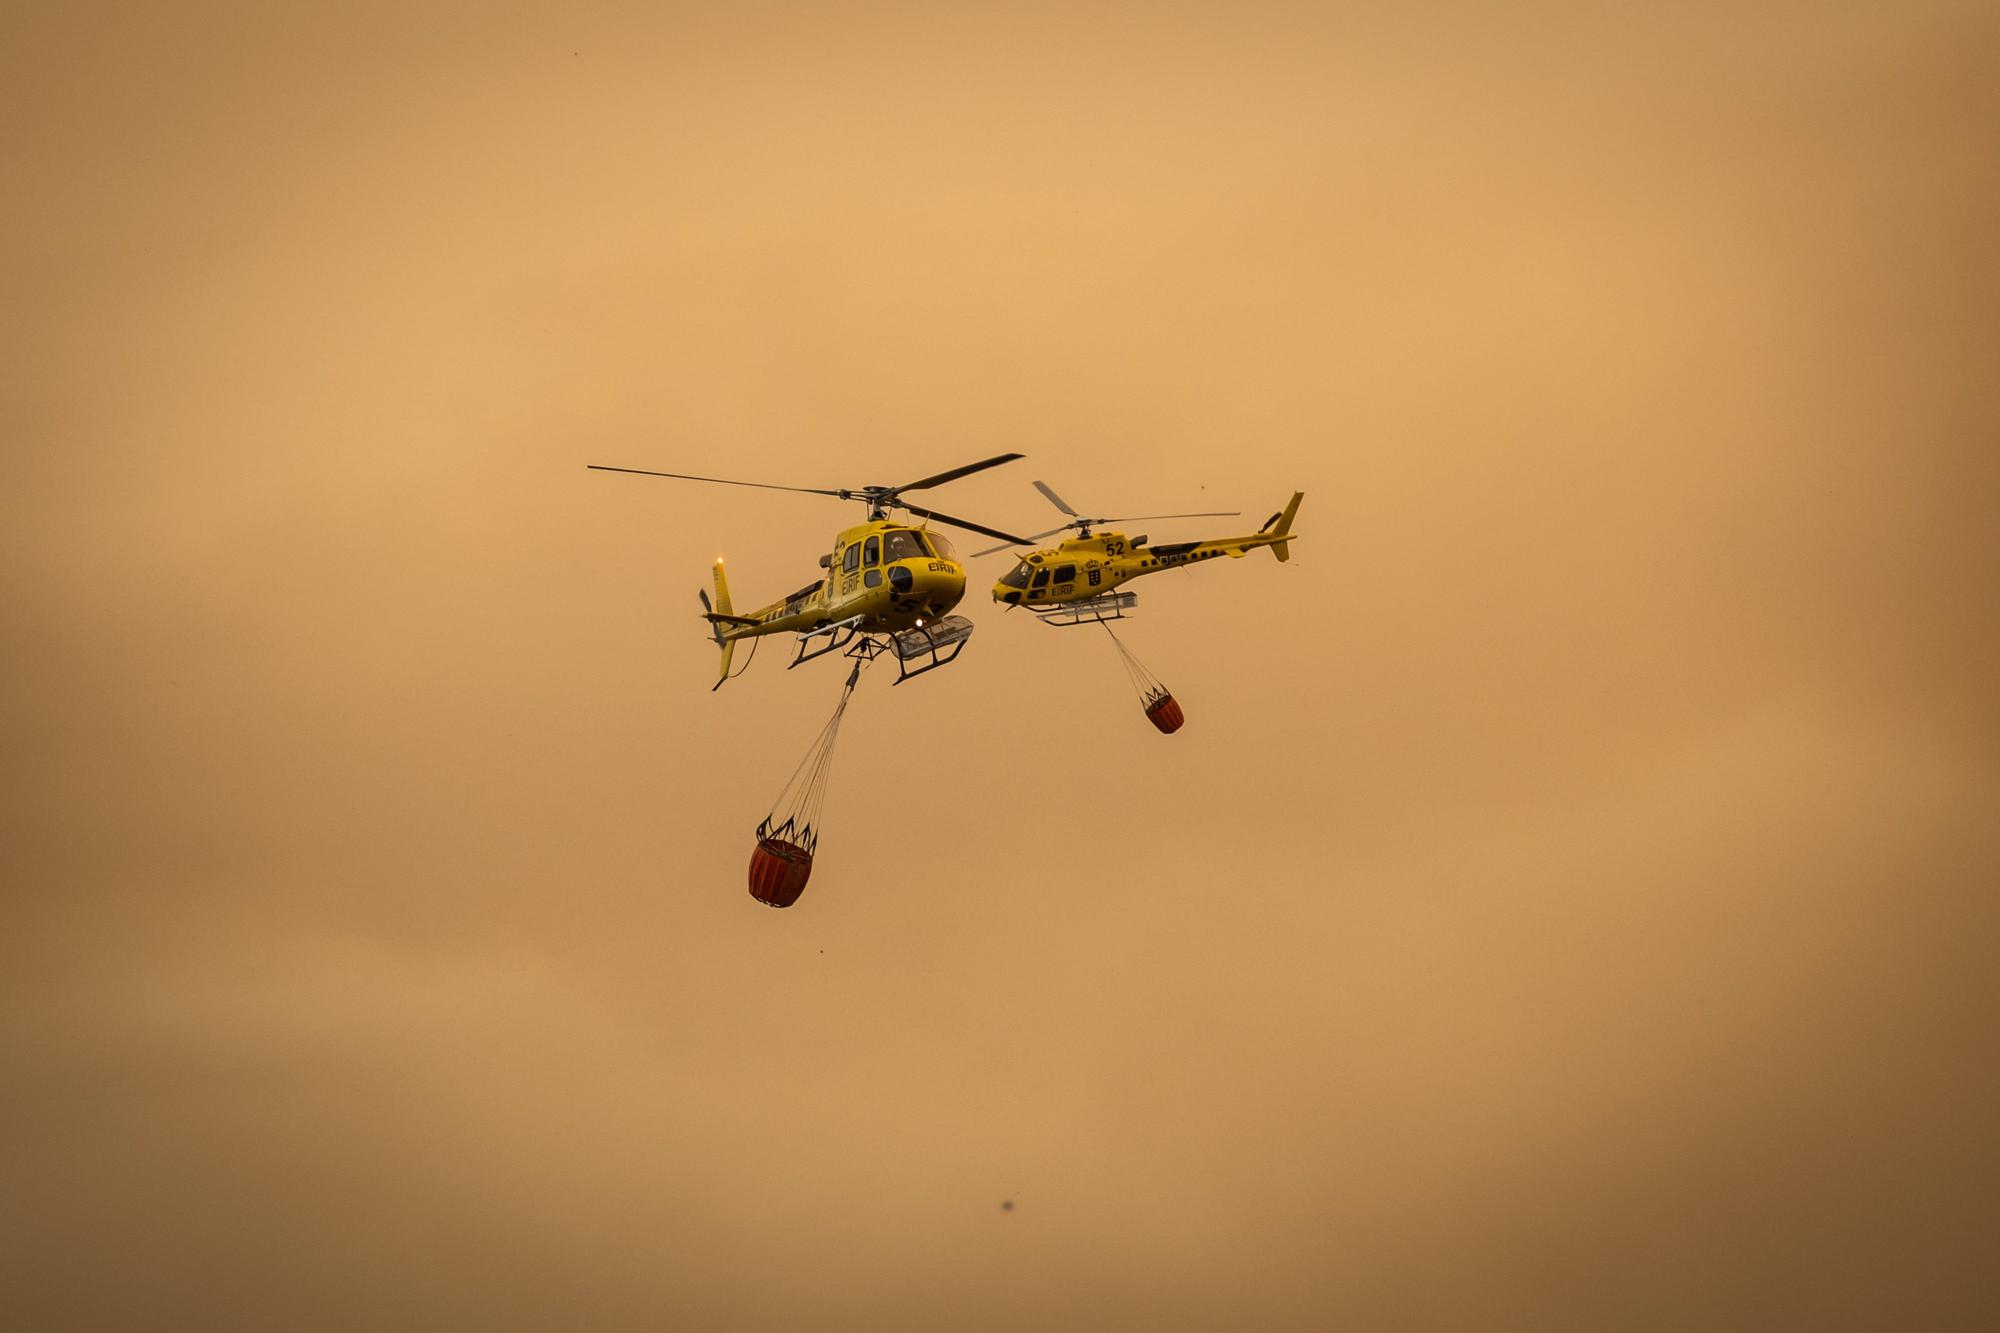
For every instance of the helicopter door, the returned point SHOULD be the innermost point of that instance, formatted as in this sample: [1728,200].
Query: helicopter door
[850,576]
[871,563]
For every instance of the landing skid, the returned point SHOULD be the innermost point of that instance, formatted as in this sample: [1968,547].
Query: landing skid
[1089,611]
[929,642]
[928,646]
[836,636]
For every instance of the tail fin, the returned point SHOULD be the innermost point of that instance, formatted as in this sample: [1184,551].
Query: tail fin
[722,607]
[1282,548]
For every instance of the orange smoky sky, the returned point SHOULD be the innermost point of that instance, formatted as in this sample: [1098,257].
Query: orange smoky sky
[1570,904]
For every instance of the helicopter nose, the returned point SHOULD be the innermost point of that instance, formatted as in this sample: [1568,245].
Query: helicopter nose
[940,583]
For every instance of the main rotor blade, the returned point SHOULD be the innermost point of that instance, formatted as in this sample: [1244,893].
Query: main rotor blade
[967,524]
[1140,518]
[721,481]
[957,472]
[1055,499]
[1131,518]
[1037,537]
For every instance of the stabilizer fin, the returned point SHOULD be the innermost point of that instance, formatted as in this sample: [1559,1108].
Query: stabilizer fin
[717,618]
[1281,547]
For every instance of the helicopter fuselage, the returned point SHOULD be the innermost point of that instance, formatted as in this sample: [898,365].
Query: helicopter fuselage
[882,576]
[1091,566]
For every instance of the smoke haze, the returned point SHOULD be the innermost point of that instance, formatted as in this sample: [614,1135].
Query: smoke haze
[1569,904]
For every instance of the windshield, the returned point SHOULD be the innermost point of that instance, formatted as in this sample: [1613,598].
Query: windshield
[1017,577]
[940,544]
[902,544]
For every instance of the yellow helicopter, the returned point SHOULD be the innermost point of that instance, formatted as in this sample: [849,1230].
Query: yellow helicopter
[888,586]
[1078,582]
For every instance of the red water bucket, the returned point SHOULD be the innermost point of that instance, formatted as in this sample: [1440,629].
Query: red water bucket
[778,872]
[1165,714]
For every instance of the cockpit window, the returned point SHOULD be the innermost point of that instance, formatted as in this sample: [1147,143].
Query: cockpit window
[1017,577]
[1041,578]
[940,544]
[871,554]
[852,560]
[903,544]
